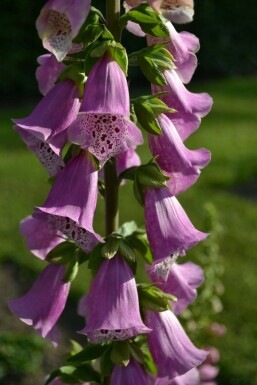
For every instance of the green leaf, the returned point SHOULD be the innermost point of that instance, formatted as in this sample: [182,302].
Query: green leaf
[126,250]
[90,352]
[91,33]
[96,259]
[85,373]
[153,61]
[127,228]
[52,376]
[154,298]
[137,352]
[62,253]
[142,246]
[129,173]
[149,362]
[138,192]
[120,354]
[146,119]
[149,21]
[74,72]
[150,175]
[75,347]
[106,364]
[72,268]
[111,246]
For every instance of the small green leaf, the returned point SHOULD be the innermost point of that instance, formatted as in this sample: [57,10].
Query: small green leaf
[74,72]
[111,246]
[138,192]
[72,268]
[127,228]
[75,347]
[146,119]
[149,21]
[149,362]
[96,259]
[137,352]
[150,175]
[126,250]
[129,173]
[62,253]
[52,376]
[142,246]
[85,373]
[106,364]
[120,354]
[90,352]
[154,298]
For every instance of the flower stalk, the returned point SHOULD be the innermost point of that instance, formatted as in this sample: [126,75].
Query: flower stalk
[110,172]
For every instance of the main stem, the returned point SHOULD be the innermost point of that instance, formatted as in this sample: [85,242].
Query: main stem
[110,173]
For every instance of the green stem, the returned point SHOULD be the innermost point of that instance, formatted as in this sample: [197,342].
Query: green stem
[110,174]
[112,17]
[111,197]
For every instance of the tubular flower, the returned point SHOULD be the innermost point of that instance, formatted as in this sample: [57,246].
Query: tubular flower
[67,209]
[190,107]
[103,127]
[113,309]
[189,378]
[172,351]
[174,158]
[182,281]
[168,225]
[183,47]
[59,22]
[208,373]
[45,129]
[132,374]
[41,237]
[48,72]
[45,301]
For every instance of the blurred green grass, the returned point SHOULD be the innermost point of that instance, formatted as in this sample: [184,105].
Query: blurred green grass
[230,132]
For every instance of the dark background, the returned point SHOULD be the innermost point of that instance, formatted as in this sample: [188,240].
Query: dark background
[227,30]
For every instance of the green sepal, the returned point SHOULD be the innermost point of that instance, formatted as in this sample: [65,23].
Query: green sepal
[127,228]
[75,347]
[153,61]
[82,373]
[136,352]
[126,250]
[138,192]
[90,352]
[149,21]
[142,247]
[149,363]
[74,72]
[120,354]
[96,258]
[62,253]
[150,175]
[72,268]
[116,50]
[106,363]
[151,297]
[111,246]
[52,376]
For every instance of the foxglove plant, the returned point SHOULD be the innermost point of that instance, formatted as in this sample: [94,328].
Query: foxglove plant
[85,132]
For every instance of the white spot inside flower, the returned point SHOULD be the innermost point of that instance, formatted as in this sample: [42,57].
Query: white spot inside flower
[47,157]
[163,268]
[103,335]
[105,135]
[57,37]
[85,239]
